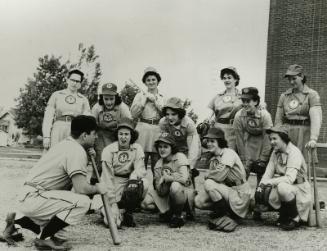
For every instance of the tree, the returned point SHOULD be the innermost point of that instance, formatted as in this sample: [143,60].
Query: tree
[49,77]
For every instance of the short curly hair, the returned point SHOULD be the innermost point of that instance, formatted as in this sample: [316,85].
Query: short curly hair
[180,112]
[134,134]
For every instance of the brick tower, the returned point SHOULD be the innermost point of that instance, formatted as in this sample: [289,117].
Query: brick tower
[297,35]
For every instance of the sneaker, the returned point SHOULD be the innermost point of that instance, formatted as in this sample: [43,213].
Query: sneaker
[290,225]
[176,222]
[128,220]
[48,244]
[165,217]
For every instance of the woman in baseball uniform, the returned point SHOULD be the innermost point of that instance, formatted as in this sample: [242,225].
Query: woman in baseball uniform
[123,170]
[226,190]
[250,125]
[146,108]
[62,106]
[173,190]
[108,112]
[299,109]
[290,191]
[225,104]
[182,128]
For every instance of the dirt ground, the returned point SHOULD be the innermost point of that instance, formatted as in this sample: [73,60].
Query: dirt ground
[151,235]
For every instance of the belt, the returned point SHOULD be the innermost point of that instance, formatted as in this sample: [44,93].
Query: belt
[224,120]
[150,121]
[37,187]
[297,121]
[299,180]
[123,175]
[66,118]
[234,183]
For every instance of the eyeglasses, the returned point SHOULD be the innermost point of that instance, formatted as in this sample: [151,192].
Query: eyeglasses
[74,80]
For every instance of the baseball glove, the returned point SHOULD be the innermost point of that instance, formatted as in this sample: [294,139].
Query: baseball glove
[224,223]
[262,193]
[133,194]
[258,167]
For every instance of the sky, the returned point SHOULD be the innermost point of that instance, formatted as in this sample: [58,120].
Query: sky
[187,41]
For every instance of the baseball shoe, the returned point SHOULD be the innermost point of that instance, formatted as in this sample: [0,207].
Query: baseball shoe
[128,220]
[48,244]
[290,225]
[165,217]
[176,222]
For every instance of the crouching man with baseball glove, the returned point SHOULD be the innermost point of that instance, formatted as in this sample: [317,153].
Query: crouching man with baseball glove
[290,192]
[123,172]
[173,190]
[226,190]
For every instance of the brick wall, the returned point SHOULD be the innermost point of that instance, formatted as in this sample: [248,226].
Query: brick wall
[297,35]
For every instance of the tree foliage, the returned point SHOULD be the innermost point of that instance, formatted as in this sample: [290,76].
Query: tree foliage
[49,77]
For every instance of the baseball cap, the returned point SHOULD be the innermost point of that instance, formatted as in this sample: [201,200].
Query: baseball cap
[249,93]
[166,137]
[215,133]
[126,122]
[109,89]
[294,70]
[150,71]
[278,129]
[228,70]
[175,103]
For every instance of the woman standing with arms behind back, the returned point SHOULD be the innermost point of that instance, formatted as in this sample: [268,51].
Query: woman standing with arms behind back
[225,104]
[62,107]
[299,109]
[146,108]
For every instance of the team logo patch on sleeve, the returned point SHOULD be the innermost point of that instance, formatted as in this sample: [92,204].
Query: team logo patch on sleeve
[294,103]
[70,99]
[107,117]
[123,157]
[166,170]
[216,165]
[227,98]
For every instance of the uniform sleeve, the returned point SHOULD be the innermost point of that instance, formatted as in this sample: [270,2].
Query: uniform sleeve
[183,173]
[266,146]
[125,112]
[193,144]
[86,107]
[162,125]
[138,105]
[239,134]
[315,114]
[159,103]
[95,112]
[280,111]
[139,168]
[108,176]
[211,104]
[49,114]
[76,163]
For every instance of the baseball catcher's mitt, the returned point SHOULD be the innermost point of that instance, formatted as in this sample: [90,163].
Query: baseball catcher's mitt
[224,223]
[262,193]
[133,194]
[258,167]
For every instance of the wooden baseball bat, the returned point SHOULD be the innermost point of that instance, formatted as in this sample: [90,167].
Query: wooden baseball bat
[111,222]
[311,219]
[315,188]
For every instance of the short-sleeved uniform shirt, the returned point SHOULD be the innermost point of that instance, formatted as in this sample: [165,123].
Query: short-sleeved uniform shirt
[180,132]
[227,167]
[224,104]
[295,106]
[56,168]
[65,103]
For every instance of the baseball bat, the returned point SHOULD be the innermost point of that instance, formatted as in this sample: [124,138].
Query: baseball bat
[111,222]
[315,188]
[311,219]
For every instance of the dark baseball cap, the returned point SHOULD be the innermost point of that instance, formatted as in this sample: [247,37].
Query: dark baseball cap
[229,70]
[215,133]
[166,137]
[175,103]
[278,129]
[126,122]
[109,89]
[249,93]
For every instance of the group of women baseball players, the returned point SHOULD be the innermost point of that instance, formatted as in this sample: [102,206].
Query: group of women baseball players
[240,138]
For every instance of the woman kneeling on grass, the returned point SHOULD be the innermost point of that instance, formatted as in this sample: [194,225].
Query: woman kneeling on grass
[226,190]
[172,183]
